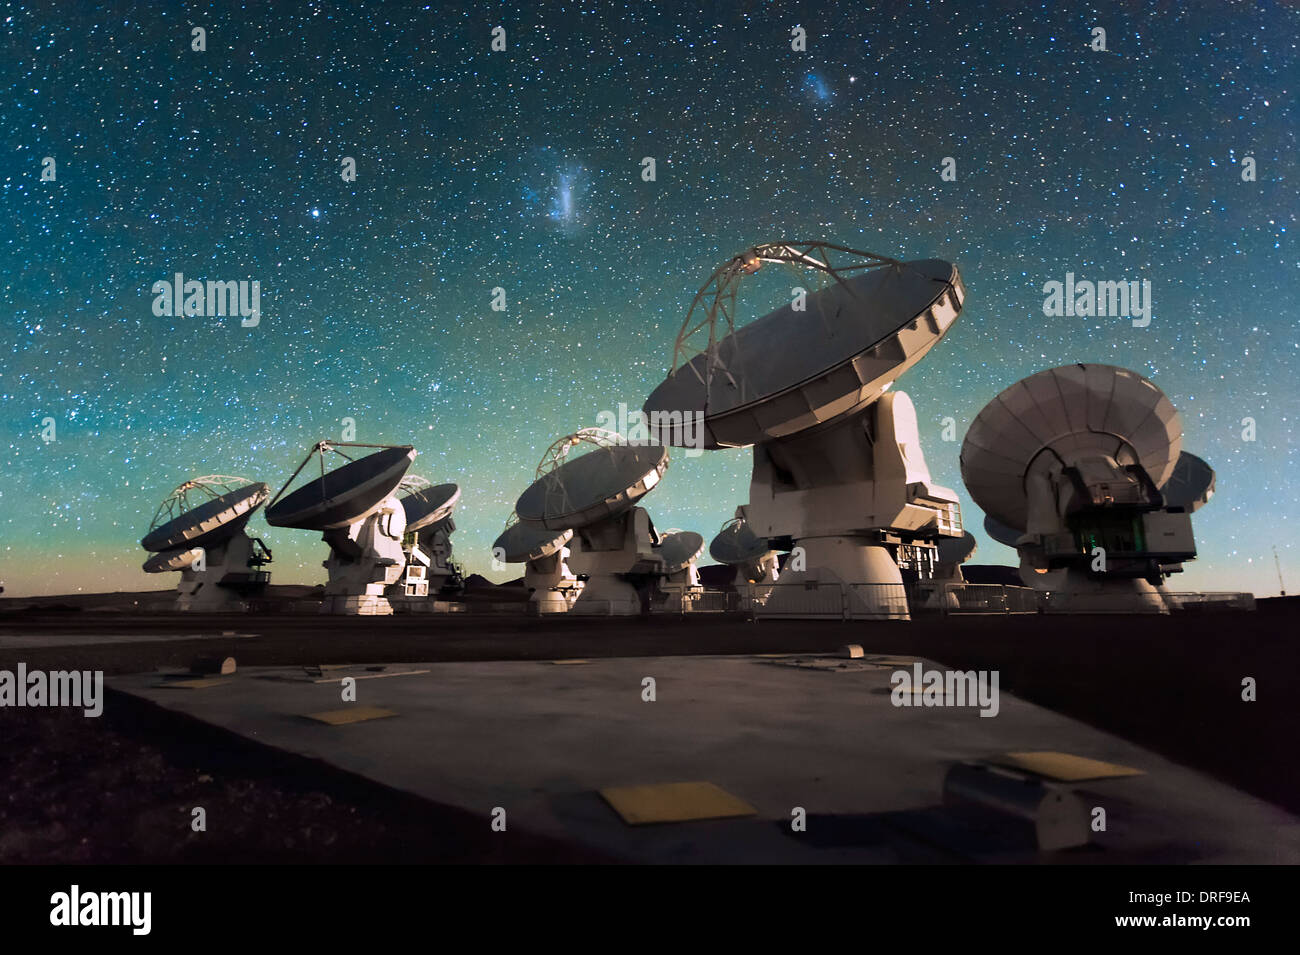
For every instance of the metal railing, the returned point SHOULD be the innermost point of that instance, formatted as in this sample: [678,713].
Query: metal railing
[876,601]
[838,601]
[835,601]
[930,596]
[1178,601]
[802,601]
[697,601]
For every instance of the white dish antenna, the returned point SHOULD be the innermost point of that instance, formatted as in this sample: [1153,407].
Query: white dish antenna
[1191,485]
[425,503]
[552,587]
[427,542]
[795,368]
[362,521]
[347,494]
[736,544]
[679,549]
[1067,464]
[839,476]
[1062,416]
[590,476]
[204,511]
[523,542]
[752,557]
[589,482]
[199,530]
[957,550]
[680,590]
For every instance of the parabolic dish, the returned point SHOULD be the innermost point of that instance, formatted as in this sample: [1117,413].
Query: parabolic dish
[1068,413]
[791,370]
[522,542]
[737,544]
[601,483]
[679,548]
[1191,485]
[428,506]
[1000,532]
[955,550]
[210,523]
[345,495]
[171,560]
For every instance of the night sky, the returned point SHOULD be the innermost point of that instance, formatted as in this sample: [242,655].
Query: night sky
[522,169]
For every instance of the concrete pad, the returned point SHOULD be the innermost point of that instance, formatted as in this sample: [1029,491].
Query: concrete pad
[541,741]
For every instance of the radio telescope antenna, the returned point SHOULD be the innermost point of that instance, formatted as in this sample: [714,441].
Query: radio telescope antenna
[552,587]
[426,542]
[754,560]
[558,454]
[594,494]
[361,520]
[199,530]
[839,476]
[681,590]
[1081,462]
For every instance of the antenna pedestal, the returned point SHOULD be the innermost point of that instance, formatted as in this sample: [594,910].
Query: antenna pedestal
[365,558]
[756,581]
[680,592]
[614,554]
[1100,537]
[225,580]
[939,592]
[847,494]
[436,543]
[552,587]
[865,574]
[428,565]
[1080,593]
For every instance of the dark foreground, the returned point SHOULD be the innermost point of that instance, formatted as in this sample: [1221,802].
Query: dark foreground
[106,790]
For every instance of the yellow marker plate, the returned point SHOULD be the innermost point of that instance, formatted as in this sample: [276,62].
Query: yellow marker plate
[197,684]
[674,802]
[1064,767]
[366,676]
[351,714]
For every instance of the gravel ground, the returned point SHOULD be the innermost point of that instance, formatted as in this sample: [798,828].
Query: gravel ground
[121,789]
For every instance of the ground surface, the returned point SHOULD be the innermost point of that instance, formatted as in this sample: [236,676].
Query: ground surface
[540,740]
[93,790]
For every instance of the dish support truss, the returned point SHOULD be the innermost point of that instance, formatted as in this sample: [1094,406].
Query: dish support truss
[717,299]
[195,493]
[558,453]
[319,450]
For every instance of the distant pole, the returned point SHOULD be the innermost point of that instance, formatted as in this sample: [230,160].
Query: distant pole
[1278,565]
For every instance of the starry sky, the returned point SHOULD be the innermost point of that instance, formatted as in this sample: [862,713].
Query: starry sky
[522,170]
